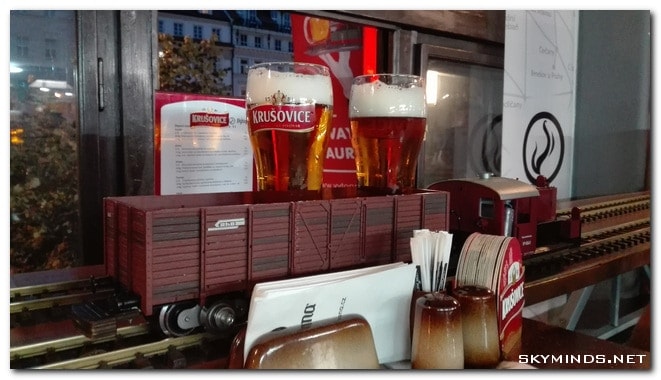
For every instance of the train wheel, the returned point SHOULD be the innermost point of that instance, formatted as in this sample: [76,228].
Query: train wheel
[178,319]
[218,317]
[224,316]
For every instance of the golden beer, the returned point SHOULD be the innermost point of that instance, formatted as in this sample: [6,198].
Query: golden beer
[289,110]
[388,122]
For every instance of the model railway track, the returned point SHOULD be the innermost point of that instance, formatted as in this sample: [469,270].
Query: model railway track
[620,229]
[603,244]
[45,334]
[608,212]
[72,342]
[39,297]
[608,229]
[615,203]
[135,345]
[604,215]
[615,238]
[166,353]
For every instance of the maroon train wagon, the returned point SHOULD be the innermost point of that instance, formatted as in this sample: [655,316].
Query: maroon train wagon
[195,249]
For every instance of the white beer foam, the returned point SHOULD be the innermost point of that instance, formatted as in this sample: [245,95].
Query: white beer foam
[263,83]
[379,99]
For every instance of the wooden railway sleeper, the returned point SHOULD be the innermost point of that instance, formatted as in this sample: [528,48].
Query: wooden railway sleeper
[141,362]
[175,358]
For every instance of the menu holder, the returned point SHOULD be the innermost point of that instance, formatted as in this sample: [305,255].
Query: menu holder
[380,294]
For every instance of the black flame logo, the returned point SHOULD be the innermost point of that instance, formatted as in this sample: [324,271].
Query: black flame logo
[540,154]
[537,161]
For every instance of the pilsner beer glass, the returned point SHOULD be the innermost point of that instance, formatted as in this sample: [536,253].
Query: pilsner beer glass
[388,118]
[289,109]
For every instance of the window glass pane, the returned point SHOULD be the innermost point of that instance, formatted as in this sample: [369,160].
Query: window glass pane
[250,37]
[197,32]
[464,121]
[178,29]
[234,35]
[44,208]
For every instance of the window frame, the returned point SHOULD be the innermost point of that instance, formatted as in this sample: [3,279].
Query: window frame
[178,29]
[118,73]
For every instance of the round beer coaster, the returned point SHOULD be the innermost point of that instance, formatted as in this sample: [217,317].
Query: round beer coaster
[493,260]
[460,276]
[460,265]
[498,264]
[474,259]
[497,267]
[483,259]
[478,259]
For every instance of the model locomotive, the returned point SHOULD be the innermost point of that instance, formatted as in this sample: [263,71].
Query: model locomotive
[507,207]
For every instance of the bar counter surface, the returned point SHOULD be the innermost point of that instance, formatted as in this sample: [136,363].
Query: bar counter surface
[551,347]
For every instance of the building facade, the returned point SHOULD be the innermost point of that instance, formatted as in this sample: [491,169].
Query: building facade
[246,37]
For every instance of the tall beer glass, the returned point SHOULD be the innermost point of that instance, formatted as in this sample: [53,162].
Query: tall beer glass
[388,117]
[289,110]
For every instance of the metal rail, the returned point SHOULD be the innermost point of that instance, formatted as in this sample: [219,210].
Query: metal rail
[615,238]
[37,297]
[127,355]
[72,342]
[55,301]
[58,287]
[604,243]
[607,204]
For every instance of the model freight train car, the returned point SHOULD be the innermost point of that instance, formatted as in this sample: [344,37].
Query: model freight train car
[193,259]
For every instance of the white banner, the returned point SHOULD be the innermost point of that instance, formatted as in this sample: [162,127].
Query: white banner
[539,95]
